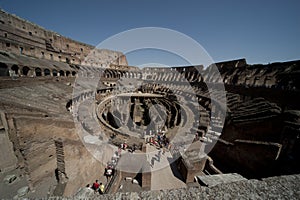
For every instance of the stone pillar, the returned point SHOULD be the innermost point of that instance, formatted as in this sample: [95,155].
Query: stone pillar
[146,180]
[146,171]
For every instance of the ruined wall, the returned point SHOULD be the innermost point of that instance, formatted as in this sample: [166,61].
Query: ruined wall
[282,187]
[36,139]
[20,36]
[257,132]
[37,116]
[8,159]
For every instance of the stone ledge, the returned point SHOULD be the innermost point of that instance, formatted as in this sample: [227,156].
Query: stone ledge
[282,187]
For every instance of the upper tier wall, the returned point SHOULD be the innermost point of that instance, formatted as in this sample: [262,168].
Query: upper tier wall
[23,37]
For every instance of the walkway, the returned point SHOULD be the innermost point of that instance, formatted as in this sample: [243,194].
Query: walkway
[162,175]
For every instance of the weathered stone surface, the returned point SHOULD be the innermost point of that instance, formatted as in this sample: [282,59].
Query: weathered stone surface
[39,92]
[283,187]
[21,34]
[9,179]
[23,191]
[216,179]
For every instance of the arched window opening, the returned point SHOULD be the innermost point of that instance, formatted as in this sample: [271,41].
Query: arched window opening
[38,72]
[4,70]
[47,72]
[21,50]
[25,70]
[54,72]
[68,73]
[61,73]
[15,69]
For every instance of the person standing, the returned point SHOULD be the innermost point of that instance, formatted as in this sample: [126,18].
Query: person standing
[108,173]
[95,186]
[101,188]
[119,151]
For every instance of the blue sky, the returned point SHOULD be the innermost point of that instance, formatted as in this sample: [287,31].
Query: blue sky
[260,31]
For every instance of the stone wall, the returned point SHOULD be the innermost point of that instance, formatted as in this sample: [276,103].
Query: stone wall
[20,36]
[282,187]
[261,126]
[8,159]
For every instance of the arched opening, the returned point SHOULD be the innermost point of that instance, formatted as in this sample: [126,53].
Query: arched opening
[15,68]
[38,71]
[61,73]
[4,70]
[25,70]
[73,73]
[68,73]
[47,72]
[54,72]
[69,104]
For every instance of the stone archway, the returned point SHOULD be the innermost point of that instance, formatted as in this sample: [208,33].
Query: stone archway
[15,69]
[38,71]
[61,73]
[25,70]
[54,72]
[47,72]
[4,70]
[68,73]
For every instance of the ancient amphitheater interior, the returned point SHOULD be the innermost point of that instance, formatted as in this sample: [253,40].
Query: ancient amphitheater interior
[67,107]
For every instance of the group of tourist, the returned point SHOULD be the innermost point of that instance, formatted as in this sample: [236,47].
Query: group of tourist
[97,187]
[109,172]
[159,140]
[124,146]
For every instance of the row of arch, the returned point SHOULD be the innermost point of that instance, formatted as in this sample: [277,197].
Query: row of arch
[15,70]
[163,75]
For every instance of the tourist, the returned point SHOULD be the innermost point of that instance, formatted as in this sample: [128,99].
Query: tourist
[164,150]
[158,137]
[151,140]
[132,148]
[152,162]
[88,187]
[113,136]
[108,172]
[119,151]
[101,188]
[158,155]
[125,146]
[95,186]
[167,143]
